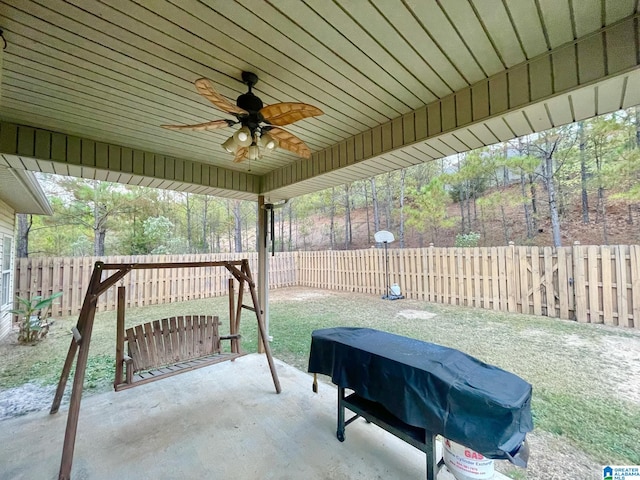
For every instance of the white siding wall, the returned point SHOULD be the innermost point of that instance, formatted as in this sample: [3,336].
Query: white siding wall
[7,224]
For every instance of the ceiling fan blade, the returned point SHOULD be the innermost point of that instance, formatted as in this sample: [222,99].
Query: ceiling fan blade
[241,154]
[213,125]
[290,142]
[205,88]
[288,112]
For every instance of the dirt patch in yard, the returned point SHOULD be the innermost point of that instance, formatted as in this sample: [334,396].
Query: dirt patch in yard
[295,294]
[415,314]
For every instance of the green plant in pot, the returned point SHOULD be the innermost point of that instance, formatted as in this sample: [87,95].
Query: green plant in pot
[32,312]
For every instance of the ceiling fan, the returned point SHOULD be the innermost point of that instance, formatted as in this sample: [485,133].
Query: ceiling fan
[259,125]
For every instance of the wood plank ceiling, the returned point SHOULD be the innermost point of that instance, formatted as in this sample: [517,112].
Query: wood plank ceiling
[114,70]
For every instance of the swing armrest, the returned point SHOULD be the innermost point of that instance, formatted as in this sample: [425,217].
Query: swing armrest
[128,361]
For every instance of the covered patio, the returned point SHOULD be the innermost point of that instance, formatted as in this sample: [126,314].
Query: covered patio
[86,86]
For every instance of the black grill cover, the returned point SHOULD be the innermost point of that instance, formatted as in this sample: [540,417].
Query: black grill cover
[429,386]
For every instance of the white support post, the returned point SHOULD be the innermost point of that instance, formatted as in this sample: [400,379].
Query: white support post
[263,266]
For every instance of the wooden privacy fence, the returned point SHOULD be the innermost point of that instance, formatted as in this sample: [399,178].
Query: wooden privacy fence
[43,276]
[596,284]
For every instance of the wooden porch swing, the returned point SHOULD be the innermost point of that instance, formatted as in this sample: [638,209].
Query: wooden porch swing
[156,349]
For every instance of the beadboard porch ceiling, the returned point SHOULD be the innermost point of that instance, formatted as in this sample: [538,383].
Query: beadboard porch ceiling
[400,82]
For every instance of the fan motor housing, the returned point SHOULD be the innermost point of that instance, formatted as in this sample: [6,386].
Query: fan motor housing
[249,102]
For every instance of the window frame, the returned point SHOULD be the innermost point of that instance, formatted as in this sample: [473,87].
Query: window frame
[6,296]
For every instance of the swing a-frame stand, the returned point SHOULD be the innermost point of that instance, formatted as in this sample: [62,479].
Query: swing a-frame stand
[158,349]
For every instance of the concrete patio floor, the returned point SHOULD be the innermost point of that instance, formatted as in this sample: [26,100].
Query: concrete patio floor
[219,422]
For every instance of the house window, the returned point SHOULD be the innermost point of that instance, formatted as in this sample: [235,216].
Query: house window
[6,270]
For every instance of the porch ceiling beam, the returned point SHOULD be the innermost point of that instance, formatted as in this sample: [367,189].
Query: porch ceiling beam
[82,155]
[607,53]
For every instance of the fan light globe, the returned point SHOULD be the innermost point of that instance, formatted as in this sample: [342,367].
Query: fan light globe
[230,145]
[243,137]
[268,141]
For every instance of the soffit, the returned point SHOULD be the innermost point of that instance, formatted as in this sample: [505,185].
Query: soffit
[114,70]
[21,190]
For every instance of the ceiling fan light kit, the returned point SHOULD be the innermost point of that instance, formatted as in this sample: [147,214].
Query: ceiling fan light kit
[259,131]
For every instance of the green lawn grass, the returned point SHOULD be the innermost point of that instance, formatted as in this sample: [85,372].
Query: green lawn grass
[583,376]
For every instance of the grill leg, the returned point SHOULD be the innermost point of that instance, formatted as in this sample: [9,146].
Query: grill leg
[341,426]
[430,451]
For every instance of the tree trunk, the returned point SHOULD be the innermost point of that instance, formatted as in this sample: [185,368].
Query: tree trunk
[281,217]
[245,238]
[25,221]
[366,206]
[374,201]
[605,229]
[188,214]
[601,211]
[332,214]
[525,206]
[403,175]
[583,173]
[99,227]
[347,218]
[553,206]
[237,215]
[467,199]
[389,202]
[534,202]
[600,191]
[229,230]
[505,227]
[98,245]
[290,243]
[205,214]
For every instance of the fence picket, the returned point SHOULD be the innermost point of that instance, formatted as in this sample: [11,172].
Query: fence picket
[524,280]
[593,288]
[548,292]
[562,288]
[495,292]
[512,303]
[536,281]
[621,286]
[607,286]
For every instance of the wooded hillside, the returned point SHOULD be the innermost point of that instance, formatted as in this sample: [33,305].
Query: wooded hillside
[577,182]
